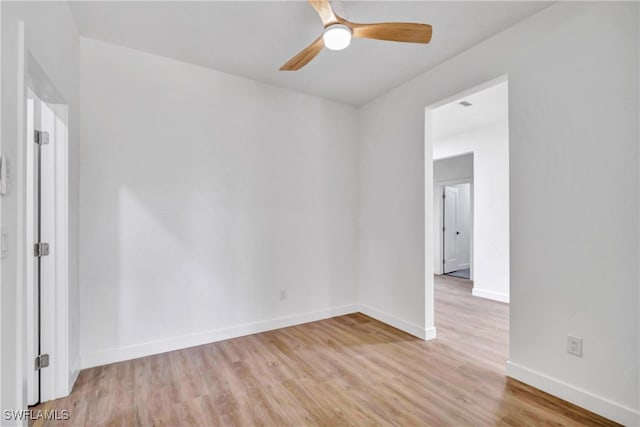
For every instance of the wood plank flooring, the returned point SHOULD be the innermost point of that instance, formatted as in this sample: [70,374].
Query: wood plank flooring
[349,370]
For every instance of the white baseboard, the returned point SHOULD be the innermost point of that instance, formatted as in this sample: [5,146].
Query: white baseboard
[403,325]
[590,401]
[73,378]
[496,296]
[191,340]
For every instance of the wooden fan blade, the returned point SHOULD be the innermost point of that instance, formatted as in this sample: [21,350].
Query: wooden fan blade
[303,58]
[393,31]
[325,11]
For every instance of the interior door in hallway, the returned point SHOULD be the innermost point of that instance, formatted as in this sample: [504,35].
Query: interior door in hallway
[40,138]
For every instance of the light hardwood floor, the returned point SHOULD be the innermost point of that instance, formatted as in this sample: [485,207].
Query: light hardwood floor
[349,370]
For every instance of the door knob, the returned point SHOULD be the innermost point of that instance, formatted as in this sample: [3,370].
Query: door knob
[457,232]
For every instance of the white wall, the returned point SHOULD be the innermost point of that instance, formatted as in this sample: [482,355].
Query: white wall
[490,148]
[573,108]
[52,39]
[202,196]
[450,170]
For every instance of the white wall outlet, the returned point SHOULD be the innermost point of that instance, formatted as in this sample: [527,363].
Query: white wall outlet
[283,294]
[574,345]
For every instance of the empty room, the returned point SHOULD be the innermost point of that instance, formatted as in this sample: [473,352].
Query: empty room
[414,213]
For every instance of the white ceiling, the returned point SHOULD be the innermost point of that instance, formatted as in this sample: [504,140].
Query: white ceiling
[253,39]
[488,106]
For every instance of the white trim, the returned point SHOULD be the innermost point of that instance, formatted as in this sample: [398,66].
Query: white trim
[429,302]
[430,333]
[62,386]
[585,399]
[28,227]
[19,377]
[496,296]
[73,378]
[465,180]
[1,223]
[135,351]
[403,325]
[199,338]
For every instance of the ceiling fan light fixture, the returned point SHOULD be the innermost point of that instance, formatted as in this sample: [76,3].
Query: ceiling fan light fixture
[336,37]
[338,32]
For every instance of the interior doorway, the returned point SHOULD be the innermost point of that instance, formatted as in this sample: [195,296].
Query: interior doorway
[468,136]
[453,216]
[467,218]
[467,142]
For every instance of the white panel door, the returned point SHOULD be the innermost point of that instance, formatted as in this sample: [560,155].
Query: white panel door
[33,271]
[450,229]
[41,271]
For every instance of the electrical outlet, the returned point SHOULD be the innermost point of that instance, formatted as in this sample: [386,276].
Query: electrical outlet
[574,345]
[283,294]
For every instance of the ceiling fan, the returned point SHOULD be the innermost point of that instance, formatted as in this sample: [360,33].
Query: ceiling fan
[338,32]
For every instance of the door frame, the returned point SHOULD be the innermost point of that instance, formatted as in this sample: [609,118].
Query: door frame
[57,379]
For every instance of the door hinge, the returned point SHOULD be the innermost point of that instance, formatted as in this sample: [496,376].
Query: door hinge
[40,137]
[444,261]
[41,249]
[42,361]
